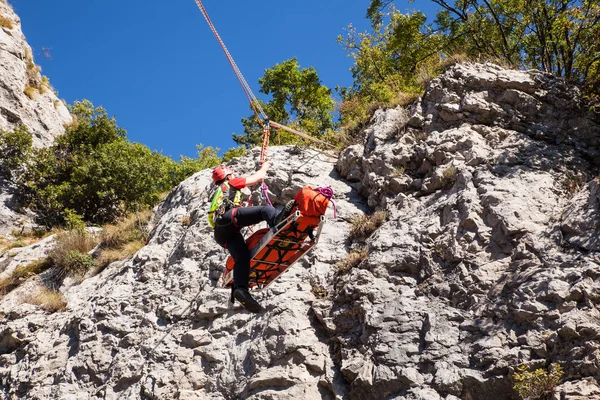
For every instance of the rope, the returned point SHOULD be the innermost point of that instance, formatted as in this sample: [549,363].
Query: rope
[328,192]
[263,120]
[265,190]
[302,135]
[247,90]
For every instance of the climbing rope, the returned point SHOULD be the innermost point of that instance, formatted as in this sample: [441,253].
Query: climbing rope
[328,192]
[254,103]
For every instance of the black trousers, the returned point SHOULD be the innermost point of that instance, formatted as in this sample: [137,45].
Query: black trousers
[228,235]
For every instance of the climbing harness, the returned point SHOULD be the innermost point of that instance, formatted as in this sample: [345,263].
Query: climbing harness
[223,198]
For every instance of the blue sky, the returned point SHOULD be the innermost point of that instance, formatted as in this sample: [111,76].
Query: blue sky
[156,66]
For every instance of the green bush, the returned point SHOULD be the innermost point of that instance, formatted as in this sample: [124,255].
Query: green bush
[234,152]
[539,384]
[69,255]
[74,221]
[15,150]
[96,173]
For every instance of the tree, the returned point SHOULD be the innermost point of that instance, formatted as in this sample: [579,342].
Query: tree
[96,173]
[555,36]
[298,100]
[207,158]
[15,150]
[386,61]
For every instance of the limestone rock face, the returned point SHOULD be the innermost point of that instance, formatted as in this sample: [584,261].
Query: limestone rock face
[488,259]
[44,115]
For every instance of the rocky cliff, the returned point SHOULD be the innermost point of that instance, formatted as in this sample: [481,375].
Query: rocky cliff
[488,259]
[26,98]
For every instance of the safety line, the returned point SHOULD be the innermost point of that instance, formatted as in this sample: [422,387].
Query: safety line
[253,100]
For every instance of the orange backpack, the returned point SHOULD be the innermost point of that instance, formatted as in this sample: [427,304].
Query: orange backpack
[312,202]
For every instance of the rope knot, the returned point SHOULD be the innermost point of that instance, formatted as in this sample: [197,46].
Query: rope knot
[328,192]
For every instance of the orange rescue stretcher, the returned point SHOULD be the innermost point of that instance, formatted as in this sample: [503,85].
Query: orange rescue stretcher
[274,250]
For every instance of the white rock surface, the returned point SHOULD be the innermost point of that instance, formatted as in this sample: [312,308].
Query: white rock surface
[44,115]
[486,262]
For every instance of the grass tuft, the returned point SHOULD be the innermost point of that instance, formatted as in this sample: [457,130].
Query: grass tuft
[186,220]
[31,92]
[363,226]
[132,228]
[21,274]
[123,239]
[6,23]
[352,260]
[449,176]
[70,253]
[318,290]
[49,300]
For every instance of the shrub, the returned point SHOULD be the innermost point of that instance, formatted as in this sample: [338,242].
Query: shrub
[234,152]
[123,239]
[352,260]
[97,173]
[15,150]
[539,384]
[363,226]
[75,263]
[449,176]
[73,221]
[69,254]
[49,300]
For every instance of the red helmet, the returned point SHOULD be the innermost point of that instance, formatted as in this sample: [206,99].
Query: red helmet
[221,173]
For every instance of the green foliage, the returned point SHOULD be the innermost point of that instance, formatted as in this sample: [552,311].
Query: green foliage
[234,152]
[91,129]
[69,255]
[74,221]
[555,36]
[15,150]
[93,171]
[539,384]
[299,100]
[385,63]
[207,158]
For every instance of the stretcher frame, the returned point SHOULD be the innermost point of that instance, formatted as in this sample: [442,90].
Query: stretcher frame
[271,238]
